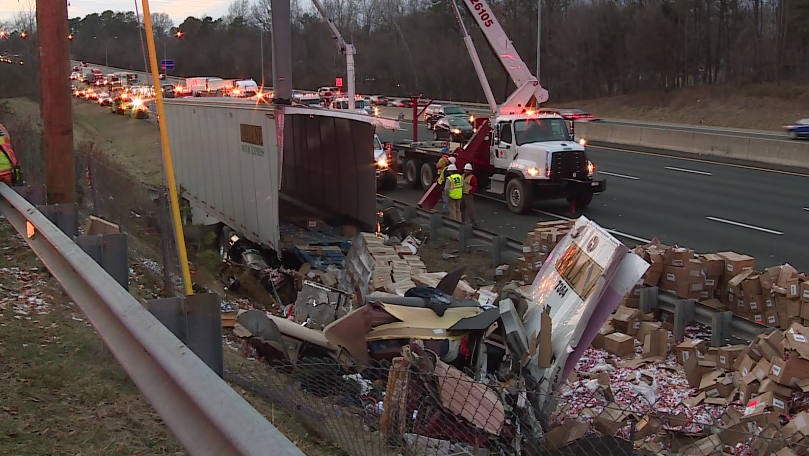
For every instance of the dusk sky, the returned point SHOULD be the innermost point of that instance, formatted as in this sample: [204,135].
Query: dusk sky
[177,9]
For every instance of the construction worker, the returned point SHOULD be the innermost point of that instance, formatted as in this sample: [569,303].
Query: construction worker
[454,188]
[441,168]
[9,169]
[470,186]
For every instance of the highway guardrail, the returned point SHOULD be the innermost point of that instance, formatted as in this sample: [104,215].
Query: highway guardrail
[206,415]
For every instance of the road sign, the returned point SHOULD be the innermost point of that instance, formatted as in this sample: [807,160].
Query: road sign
[167,64]
[338,82]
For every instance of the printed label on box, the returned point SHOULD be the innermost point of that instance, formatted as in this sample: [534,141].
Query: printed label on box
[793,289]
[741,396]
[710,282]
[741,303]
[671,277]
[753,305]
[713,393]
[703,295]
[637,291]
[538,264]
[769,302]
[778,403]
[744,371]
[526,249]
[676,262]
[771,319]
[776,370]
[758,318]
[730,267]
[685,356]
[806,294]
[722,359]
[636,325]
[799,337]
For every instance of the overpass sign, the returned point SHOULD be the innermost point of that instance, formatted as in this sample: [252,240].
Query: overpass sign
[167,64]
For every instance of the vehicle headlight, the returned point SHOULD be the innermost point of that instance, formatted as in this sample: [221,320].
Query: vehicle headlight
[591,169]
[457,131]
[532,171]
[472,120]
[376,112]
[582,141]
[382,163]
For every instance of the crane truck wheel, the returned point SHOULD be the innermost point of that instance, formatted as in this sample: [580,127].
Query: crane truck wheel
[519,196]
[582,200]
[427,175]
[411,173]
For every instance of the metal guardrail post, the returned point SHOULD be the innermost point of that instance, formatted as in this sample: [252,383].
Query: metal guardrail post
[690,317]
[649,299]
[680,319]
[111,252]
[205,414]
[436,222]
[34,194]
[498,248]
[465,234]
[720,328]
[65,216]
[410,214]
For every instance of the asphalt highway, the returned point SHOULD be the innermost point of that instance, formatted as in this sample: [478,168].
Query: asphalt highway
[707,205]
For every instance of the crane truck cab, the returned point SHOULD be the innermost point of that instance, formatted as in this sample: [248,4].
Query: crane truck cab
[387,175]
[534,157]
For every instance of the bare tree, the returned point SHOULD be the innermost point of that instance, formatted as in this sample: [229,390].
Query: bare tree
[26,18]
[239,10]
[162,24]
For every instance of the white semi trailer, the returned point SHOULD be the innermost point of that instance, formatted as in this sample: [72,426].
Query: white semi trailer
[233,164]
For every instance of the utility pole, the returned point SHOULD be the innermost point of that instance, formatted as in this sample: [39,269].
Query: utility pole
[261,31]
[55,105]
[539,34]
[282,52]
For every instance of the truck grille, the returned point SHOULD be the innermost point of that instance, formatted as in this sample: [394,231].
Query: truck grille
[568,165]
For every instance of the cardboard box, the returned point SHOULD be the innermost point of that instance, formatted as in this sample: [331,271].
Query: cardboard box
[619,344]
[805,291]
[793,288]
[652,275]
[655,344]
[769,277]
[786,274]
[712,264]
[606,329]
[728,355]
[678,256]
[779,404]
[627,320]
[789,371]
[762,369]
[690,348]
[708,446]
[771,319]
[752,286]
[736,263]
[748,387]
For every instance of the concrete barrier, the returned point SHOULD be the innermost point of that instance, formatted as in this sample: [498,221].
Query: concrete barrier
[771,151]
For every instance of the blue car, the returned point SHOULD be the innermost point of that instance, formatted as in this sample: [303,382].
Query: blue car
[799,129]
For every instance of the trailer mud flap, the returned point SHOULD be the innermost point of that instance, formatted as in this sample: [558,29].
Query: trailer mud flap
[328,163]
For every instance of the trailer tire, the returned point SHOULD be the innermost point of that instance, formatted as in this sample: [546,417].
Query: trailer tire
[412,172]
[519,196]
[427,175]
[224,239]
[582,200]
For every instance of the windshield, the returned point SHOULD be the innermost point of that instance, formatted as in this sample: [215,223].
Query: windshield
[377,143]
[457,122]
[453,110]
[538,130]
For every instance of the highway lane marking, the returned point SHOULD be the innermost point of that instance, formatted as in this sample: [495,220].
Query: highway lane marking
[806,208]
[689,171]
[710,162]
[619,175]
[615,232]
[744,225]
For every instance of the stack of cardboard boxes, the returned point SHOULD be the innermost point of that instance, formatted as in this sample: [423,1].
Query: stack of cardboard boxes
[775,298]
[373,266]
[538,244]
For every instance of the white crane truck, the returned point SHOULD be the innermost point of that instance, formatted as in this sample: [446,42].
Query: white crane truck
[523,154]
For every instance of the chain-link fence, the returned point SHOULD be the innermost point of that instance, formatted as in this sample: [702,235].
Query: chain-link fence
[421,406]
[106,190]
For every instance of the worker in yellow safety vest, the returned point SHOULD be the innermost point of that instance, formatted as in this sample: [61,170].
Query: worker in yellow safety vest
[454,188]
[470,186]
[441,168]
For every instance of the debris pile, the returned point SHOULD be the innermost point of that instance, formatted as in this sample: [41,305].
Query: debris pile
[538,244]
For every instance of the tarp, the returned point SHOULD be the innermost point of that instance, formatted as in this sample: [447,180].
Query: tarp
[582,282]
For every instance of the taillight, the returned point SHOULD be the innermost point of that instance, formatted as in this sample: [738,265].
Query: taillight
[548,173]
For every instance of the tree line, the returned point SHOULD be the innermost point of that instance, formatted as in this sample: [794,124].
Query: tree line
[590,48]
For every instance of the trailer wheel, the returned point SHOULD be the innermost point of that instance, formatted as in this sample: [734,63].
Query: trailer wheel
[582,200]
[519,196]
[427,175]
[411,172]
[224,242]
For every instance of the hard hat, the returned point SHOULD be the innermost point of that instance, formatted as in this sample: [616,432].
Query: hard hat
[467,167]
[452,160]
[452,168]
